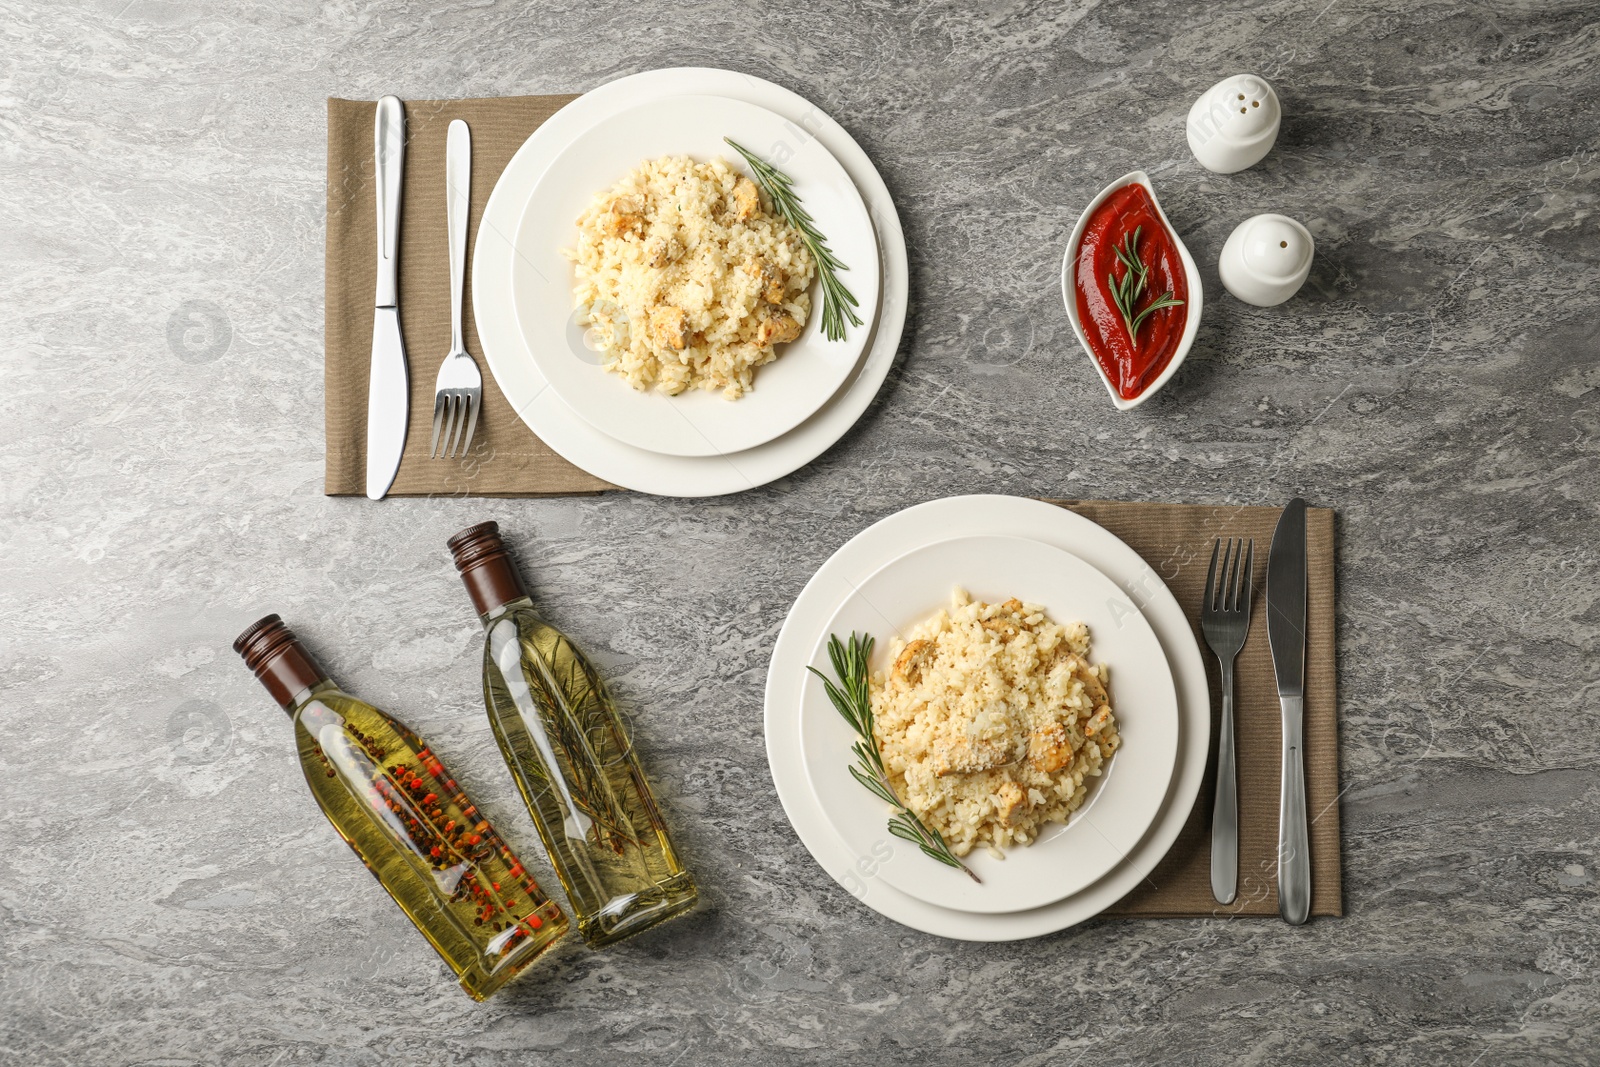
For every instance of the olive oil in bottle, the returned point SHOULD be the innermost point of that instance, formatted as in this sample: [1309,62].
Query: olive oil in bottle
[402,812]
[571,755]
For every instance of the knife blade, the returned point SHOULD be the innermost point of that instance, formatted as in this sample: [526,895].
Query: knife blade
[388,387]
[1286,632]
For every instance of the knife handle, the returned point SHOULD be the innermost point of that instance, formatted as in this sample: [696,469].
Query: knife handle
[1225,813]
[1294,850]
[457,188]
[389,156]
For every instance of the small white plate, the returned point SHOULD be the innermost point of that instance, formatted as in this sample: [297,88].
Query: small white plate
[787,391]
[1121,804]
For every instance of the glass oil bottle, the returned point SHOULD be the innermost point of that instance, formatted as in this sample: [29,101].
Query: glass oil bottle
[571,755]
[400,809]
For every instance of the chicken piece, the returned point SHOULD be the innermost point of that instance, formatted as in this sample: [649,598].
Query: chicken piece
[1098,720]
[623,217]
[1008,624]
[777,327]
[1000,625]
[746,199]
[660,251]
[908,665]
[1048,749]
[669,327]
[1085,674]
[773,281]
[1012,801]
[967,755]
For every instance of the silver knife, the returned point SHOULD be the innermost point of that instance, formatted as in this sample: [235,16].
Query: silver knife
[1286,629]
[388,389]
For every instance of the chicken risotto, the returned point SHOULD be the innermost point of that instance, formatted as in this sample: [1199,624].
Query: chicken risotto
[992,722]
[687,280]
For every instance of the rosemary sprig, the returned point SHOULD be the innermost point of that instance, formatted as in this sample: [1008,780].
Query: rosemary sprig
[837,301]
[1135,278]
[852,698]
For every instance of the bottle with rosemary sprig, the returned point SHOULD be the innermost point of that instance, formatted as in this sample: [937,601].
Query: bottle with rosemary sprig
[851,696]
[571,756]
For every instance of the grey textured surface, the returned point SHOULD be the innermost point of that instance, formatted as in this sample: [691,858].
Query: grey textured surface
[169,893]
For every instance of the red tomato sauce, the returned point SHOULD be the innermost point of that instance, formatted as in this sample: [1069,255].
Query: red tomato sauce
[1130,366]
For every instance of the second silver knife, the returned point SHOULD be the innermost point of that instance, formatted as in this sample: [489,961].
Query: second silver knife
[1286,629]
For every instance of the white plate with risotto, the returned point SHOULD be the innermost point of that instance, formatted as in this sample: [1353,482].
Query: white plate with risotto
[1023,709]
[664,297]
[555,423]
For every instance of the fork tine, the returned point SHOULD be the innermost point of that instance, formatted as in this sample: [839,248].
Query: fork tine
[461,424]
[449,450]
[1211,576]
[474,405]
[1247,581]
[1235,549]
[438,416]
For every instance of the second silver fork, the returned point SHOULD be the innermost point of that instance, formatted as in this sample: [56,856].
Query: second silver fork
[1225,620]
[458,392]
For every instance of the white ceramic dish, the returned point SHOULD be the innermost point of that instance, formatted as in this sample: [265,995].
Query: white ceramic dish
[941,520]
[1069,292]
[1121,804]
[600,454]
[807,372]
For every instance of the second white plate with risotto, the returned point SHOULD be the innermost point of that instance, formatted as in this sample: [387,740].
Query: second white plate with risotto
[1025,718]
[669,291]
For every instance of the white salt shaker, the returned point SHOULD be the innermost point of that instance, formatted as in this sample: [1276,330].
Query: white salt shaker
[1234,124]
[1266,259]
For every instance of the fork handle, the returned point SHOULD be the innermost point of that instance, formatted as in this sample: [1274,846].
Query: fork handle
[457,190]
[1294,853]
[1225,812]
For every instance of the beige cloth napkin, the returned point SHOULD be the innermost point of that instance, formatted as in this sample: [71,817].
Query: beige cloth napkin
[507,459]
[1176,540]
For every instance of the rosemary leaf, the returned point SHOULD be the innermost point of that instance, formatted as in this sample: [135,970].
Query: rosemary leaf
[838,302]
[852,698]
[1135,279]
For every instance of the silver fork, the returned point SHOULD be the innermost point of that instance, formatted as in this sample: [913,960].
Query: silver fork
[1225,620]
[458,392]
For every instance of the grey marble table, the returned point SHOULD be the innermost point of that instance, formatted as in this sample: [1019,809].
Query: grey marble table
[170,895]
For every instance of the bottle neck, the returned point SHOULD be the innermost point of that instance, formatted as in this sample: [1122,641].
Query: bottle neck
[298,702]
[281,664]
[487,570]
[495,614]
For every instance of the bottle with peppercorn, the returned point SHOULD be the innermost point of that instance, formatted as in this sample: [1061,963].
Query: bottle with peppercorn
[403,813]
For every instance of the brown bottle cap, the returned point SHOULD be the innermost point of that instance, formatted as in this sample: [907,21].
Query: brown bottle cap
[280,662]
[486,566]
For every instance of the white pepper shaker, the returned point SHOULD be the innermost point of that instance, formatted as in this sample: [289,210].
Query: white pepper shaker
[1266,259]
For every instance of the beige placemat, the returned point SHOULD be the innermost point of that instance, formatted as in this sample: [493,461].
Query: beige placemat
[507,459]
[1176,540]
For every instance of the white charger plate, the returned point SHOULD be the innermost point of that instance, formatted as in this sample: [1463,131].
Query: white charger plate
[940,520]
[1121,804]
[604,456]
[808,370]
